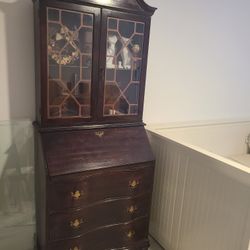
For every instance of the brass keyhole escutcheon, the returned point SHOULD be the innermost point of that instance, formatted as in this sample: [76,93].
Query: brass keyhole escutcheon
[100,134]
[132,209]
[76,195]
[75,248]
[133,184]
[131,234]
[76,223]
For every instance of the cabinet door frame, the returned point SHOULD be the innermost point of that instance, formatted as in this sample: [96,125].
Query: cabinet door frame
[103,48]
[43,88]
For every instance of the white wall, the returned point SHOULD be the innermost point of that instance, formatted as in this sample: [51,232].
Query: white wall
[17,60]
[198,69]
[17,98]
[199,61]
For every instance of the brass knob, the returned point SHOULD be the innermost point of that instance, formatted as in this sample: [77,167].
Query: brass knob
[75,248]
[132,209]
[76,223]
[134,183]
[100,134]
[76,195]
[131,234]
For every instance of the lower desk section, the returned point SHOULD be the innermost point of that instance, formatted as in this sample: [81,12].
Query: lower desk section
[132,235]
[93,192]
[110,212]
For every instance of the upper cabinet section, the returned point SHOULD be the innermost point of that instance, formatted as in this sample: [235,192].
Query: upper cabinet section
[91,61]
[70,45]
[124,63]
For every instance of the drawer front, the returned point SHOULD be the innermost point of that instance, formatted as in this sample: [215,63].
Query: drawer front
[124,236]
[75,191]
[70,224]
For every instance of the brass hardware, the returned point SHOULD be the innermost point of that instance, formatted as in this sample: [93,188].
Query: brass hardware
[132,209]
[75,248]
[131,234]
[134,183]
[76,195]
[76,223]
[100,134]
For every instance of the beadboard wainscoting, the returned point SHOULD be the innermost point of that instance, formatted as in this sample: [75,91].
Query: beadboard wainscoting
[198,202]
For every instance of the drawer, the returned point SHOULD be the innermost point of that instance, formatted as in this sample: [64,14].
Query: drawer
[122,236]
[76,191]
[70,224]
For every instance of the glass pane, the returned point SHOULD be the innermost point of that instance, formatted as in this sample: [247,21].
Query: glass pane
[70,108]
[112,24]
[139,28]
[123,66]
[57,93]
[88,20]
[17,206]
[70,36]
[86,37]
[53,15]
[132,93]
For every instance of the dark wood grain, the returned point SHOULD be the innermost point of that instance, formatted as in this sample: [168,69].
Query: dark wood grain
[132,9]
[86,127]
[76,151]
[110,212]
[92,170]
[111,237]
[41,191]
[99,185]
[134,6]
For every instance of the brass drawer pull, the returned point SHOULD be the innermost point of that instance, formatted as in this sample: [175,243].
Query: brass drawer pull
[75,248]
[134,184]
[131,234]
[76,223]
[132,209]
[100,134]
[76,195]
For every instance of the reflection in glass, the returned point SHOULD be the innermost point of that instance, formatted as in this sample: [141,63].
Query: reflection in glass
[70,38]
[17,213]
[123,66]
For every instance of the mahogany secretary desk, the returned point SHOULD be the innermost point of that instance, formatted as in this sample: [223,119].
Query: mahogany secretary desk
[94,165]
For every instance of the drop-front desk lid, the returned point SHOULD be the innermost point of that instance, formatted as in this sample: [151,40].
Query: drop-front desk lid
[76,151]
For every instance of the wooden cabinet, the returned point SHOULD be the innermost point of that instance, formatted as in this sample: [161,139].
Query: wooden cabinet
[91,61]
[93,189]
[94,165]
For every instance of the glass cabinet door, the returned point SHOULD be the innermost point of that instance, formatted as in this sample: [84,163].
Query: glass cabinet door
[124,53]
[69,63]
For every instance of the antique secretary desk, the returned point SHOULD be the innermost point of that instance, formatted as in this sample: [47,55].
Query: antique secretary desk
[94,166]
